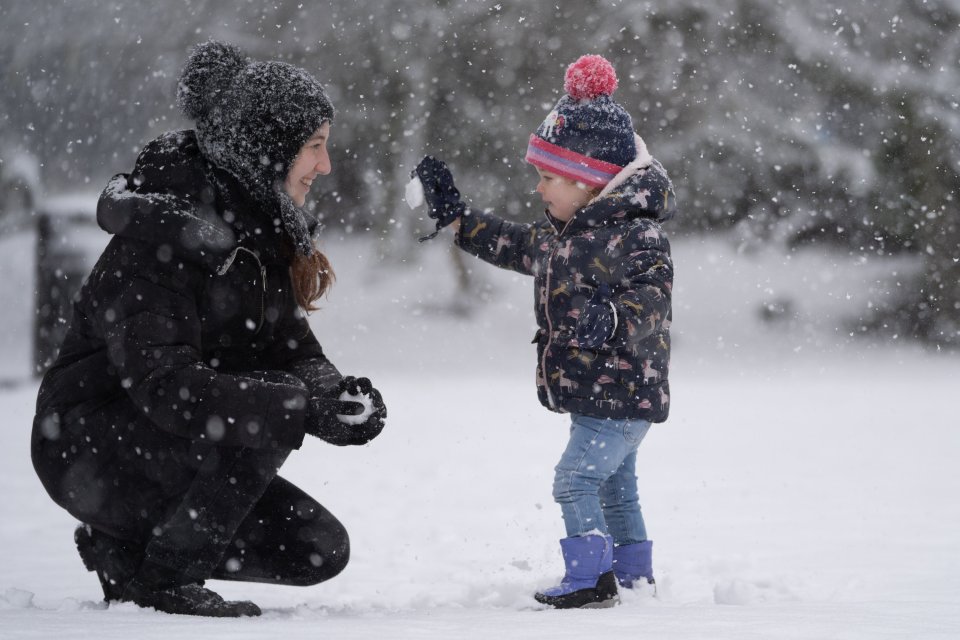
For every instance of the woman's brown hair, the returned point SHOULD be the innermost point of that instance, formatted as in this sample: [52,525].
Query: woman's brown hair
[311,277]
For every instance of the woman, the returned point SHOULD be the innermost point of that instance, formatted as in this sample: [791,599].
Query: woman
[189,371]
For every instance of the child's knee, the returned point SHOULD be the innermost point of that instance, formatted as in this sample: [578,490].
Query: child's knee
[562,481]
[569,485]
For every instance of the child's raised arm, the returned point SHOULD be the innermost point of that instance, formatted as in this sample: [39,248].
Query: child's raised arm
[504,244]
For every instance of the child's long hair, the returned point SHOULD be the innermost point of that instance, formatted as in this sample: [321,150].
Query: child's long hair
[312,277]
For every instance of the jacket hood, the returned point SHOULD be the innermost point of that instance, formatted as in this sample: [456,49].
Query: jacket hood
[642,189]
[175,199]
[168,201]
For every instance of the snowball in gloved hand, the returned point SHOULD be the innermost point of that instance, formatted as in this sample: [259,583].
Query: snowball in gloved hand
[361,398]
[413,193]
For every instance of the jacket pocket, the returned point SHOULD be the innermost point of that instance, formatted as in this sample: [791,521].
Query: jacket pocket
[578,373]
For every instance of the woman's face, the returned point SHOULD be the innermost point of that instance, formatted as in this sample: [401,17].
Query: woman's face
[563,197]
[311,161]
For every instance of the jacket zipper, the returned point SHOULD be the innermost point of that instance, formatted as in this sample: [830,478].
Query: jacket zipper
[263,296]
[546,313]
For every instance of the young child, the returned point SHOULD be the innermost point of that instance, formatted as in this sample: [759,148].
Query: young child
[603,277]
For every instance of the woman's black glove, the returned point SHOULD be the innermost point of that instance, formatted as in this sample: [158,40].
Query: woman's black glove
[441,194]
[322,418]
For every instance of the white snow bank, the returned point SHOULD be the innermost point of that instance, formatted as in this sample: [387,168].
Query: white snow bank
[13,598]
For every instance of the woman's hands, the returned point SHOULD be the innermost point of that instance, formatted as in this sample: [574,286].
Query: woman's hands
[322,418]
[442,196]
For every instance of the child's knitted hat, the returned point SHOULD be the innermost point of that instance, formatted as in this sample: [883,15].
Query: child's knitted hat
[587,136]
[252,119]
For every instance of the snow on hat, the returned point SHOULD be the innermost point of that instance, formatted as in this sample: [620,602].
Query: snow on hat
[252,118]
[587,136]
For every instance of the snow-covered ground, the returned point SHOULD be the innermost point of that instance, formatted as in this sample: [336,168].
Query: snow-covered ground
[804,487]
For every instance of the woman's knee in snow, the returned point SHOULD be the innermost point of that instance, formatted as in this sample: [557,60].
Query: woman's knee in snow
[328,557]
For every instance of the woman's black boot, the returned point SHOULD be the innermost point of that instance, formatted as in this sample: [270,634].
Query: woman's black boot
[126,577]
[114,561]
[163,589]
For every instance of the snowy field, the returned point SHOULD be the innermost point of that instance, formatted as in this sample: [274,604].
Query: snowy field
[804,487]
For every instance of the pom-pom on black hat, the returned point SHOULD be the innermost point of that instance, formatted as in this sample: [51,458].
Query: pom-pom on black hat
[587,136]
[252,118]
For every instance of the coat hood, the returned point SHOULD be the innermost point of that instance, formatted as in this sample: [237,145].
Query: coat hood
[642,189]
[177,200]
[168,201]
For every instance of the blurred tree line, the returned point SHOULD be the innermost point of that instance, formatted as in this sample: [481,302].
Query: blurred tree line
[824,122]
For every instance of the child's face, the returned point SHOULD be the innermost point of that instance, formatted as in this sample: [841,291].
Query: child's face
[311,161]
[563,197]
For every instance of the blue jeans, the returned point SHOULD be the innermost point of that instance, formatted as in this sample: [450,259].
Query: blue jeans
[596,482]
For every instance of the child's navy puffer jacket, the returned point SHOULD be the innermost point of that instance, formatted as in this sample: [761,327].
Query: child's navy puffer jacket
[615,239]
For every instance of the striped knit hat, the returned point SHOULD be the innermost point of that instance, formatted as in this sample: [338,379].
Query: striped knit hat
[587,137]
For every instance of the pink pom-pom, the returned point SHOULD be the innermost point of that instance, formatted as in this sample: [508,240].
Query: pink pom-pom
[589,77]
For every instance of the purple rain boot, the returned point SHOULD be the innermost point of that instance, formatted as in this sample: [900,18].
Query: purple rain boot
[633,563]
[589,582]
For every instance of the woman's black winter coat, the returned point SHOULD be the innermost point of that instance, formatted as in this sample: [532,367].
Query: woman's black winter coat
[186,331]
